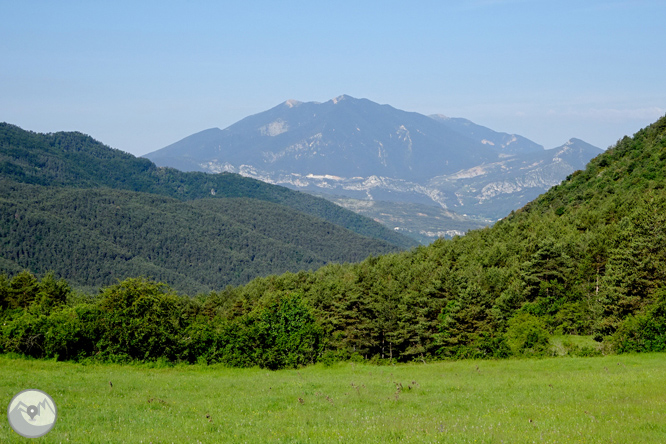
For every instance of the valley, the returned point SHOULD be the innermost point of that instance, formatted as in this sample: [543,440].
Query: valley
[94,215]
[333,222]
[586,258]
[421,222]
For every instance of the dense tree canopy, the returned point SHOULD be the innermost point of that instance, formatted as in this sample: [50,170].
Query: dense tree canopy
[70,159]
[93,237]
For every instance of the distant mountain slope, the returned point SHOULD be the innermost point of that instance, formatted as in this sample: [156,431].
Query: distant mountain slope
[502,142]
[362,150]
[495,189]
[77,160]
[93,237]
[344,137]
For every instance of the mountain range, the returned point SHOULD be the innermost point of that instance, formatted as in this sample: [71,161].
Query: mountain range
[359,149]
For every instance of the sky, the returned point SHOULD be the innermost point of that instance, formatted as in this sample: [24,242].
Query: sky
[141,75]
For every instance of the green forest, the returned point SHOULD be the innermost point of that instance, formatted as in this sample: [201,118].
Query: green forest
[93,237]
[94,215]
[74,160]
[586,258]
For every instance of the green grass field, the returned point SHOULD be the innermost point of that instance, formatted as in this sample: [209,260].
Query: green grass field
[613,399]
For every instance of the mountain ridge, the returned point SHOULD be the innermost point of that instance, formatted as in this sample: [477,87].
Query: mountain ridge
[313,130]
[361,149]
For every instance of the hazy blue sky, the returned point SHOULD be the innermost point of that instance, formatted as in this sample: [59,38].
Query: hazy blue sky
[143,74]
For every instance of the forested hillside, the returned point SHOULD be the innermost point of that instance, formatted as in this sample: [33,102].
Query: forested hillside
[581,259]
[588,257]
[70,159]
[94,237]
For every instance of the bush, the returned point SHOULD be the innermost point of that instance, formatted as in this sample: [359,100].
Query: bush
[24,334]
[287,334]
[140,320]
[571,319]
[199,343]
[72,333]
[527,335]
[567,347]
[330,357]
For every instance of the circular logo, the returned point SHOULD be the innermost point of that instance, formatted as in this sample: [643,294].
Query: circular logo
[32,413]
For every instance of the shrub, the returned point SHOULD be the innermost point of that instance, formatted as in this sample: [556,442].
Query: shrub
[24,334]
[139,320]
[287,334]
[199,343]
[568,347]
[72,333]
[527,335]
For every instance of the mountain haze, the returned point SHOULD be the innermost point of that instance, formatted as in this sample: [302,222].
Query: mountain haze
[502,142]
[362,150]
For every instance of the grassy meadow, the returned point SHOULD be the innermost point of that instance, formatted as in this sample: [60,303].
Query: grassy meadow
[612,399]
